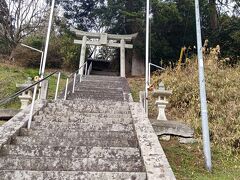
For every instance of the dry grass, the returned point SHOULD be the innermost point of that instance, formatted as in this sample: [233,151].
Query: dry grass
[223,97]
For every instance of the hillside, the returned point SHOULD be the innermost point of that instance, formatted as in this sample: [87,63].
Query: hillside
[224,118]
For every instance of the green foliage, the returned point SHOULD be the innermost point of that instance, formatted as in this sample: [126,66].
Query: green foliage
[12,75]
[228,36]
[172,24]
[61,53]
[9,77]
[69,51]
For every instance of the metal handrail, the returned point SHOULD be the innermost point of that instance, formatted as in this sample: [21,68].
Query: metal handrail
[159,67]
[149,71]
[77,70]
[74,75]
[5,100]
[36,84]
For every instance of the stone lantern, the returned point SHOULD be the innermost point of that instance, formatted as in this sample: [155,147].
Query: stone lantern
[26,96]
[162,94]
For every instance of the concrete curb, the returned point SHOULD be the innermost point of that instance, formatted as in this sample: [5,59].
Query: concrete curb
[155,161]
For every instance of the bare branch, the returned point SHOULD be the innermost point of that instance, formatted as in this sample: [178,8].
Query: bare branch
[19,18]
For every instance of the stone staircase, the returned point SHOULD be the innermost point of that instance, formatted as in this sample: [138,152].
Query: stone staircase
[91,135]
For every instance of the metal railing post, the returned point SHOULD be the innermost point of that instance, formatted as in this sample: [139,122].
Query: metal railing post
[66,89]
[80,78]
[89,69]
[74,83]
[58,81]
[149,74]
[32,106]
[86,68]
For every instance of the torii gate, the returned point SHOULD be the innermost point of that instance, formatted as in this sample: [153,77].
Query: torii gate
[104,39]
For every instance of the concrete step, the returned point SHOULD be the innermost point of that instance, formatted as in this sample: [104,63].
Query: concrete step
[70,175]
[53,110]
[103,92]
[78,134]
[84,115]
[96,97]
[110,91]
[91,102]
[70,164]
[72,152]
[104,78]
[88,107]
[100,83]
[48,118]
[69,126]
[77,141]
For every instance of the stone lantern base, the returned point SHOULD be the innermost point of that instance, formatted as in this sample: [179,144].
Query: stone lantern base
[25,100]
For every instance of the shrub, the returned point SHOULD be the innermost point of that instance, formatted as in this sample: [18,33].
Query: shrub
[223,97]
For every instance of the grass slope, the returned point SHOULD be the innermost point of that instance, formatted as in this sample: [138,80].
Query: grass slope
[11,75]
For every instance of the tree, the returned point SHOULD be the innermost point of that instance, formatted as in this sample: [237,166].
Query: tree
[172,22]
[18,19]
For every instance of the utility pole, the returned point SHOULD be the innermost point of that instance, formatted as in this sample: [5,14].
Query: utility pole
[147,57]
[47,39]
[204,112]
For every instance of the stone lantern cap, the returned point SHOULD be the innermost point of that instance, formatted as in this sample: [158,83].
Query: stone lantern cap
[26,84]
[161,91]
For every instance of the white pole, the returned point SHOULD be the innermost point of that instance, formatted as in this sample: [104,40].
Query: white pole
[86,66]
[58,81]
[66,89]
[149,75]
[147,56]
[32,107]
[74,82]
[204,112]
[47,39]
[40,69]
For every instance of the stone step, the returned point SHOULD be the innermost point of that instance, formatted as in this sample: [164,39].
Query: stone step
[72,152]
[104,78]
[95,96]
[75,119]
[99,83]
[78,134]
[84,110]
[67,126]
[90,102]
[103,92]
[87,107]
[98,89]
[110,91]
[70,175]
[79,115]
[70,164]
[77,141]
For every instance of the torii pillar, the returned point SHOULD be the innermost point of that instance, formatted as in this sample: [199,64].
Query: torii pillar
[83,54]
[104,39]
[122,59]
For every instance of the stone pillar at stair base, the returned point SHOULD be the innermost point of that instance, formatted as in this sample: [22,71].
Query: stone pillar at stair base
[83,54]
[44,90]
[162,94]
